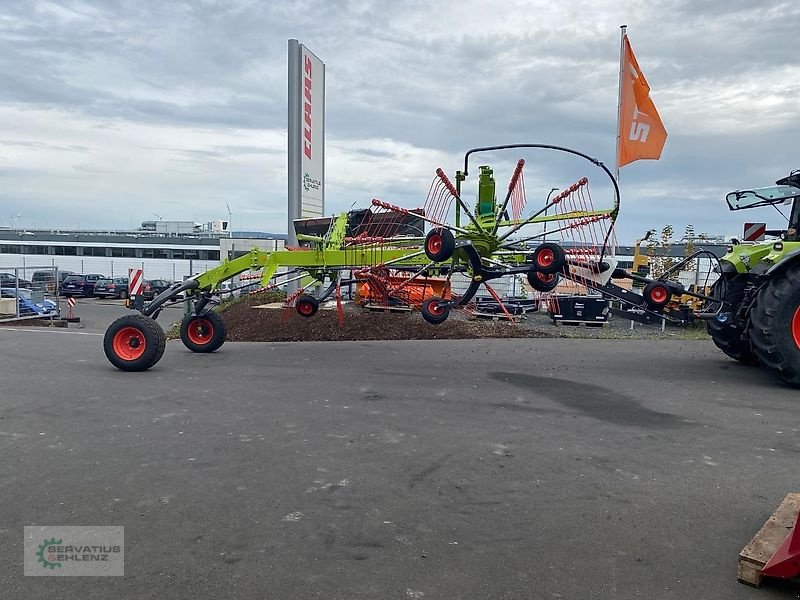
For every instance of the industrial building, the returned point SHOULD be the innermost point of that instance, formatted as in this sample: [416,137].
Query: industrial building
[163,249]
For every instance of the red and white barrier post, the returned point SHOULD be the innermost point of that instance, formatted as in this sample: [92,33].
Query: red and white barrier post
[135,287]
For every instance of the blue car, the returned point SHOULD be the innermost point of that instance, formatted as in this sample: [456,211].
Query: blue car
[27,307]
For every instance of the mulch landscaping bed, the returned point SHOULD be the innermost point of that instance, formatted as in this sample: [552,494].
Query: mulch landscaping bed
[248,324]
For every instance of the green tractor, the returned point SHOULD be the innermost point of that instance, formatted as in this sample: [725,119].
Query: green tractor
[758,291]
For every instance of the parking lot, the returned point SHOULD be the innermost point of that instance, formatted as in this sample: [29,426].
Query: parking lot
[533,468]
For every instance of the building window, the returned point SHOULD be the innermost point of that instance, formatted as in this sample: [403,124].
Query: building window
[209,254]
[123,252]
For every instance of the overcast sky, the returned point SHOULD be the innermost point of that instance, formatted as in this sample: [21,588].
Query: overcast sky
[113,110]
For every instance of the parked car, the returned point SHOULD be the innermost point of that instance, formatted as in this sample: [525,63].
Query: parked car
[153,287]
[80,285]
[46,280]
[27,307]
[112,288]
[10,281]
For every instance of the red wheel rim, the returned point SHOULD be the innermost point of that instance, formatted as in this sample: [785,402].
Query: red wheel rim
[435,308]
[796,327]
[306,308]
[546,257]
[129,343]
[435,244]
[545,278]
[200,331]
[659,294]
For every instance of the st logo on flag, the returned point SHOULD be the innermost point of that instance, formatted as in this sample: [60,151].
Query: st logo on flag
[641,131]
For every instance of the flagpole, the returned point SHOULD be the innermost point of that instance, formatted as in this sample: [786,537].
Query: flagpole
[622,32]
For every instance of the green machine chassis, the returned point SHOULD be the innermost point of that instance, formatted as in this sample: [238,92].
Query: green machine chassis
[483,249]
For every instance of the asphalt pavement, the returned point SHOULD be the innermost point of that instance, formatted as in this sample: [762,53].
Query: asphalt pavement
[533,468]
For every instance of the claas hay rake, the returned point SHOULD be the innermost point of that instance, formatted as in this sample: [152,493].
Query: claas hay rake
[411,256]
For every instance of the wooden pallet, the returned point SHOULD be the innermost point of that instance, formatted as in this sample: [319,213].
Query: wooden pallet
[579,323]
[757,553]
[384,308]
[497,316]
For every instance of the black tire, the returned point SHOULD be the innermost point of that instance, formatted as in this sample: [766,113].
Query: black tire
[434,310]
[732,339]
[204,332]
[543,282]
[657,295]
[134,343]
[549,258]
[775,325]
[123,295]
[306,306]
[440,244]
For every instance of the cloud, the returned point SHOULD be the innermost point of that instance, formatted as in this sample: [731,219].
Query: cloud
[112,109]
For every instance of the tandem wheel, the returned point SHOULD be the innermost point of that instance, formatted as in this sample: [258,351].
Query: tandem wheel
[134,343]
[204,332]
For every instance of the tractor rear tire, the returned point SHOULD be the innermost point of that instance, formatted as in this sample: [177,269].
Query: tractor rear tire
[730,338]
[134,343]
[204,332]
[775,321]
[435,310]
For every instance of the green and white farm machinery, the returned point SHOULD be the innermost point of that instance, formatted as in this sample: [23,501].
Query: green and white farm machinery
[388,248]
[758,291]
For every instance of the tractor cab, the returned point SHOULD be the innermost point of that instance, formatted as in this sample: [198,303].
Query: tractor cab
[785,191]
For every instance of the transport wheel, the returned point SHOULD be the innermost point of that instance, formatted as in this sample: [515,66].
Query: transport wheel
[134,343]
[204,332]
[435,310]
[657,295]
[306,306]
[775,325]
[543,282]
[549,258]
[439,244]
[728,337]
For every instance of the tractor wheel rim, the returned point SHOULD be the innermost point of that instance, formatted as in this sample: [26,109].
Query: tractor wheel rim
[129,343]
[200,331]
[546,257]
[305,308]
[796,327]
[434,244]
[658,294]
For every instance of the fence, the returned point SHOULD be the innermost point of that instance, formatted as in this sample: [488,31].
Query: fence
[154,268]
[29,292]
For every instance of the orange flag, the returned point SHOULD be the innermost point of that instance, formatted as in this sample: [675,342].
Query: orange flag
[641,132]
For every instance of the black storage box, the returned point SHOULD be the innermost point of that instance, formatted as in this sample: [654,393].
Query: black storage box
[586,309]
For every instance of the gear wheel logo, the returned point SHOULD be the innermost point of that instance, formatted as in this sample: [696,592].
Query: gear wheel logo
[41,553]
